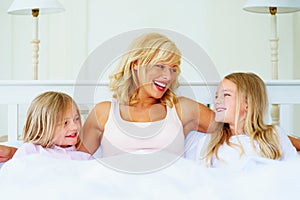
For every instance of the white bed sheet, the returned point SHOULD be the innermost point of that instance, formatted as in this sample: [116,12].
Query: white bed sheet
[36,177]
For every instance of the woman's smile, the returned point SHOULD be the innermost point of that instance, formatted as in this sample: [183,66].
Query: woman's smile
[160,85]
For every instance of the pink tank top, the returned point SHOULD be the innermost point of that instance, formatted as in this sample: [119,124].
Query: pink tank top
[122,136]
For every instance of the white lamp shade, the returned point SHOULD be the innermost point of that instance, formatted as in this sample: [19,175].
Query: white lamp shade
[24,7]
[262,6]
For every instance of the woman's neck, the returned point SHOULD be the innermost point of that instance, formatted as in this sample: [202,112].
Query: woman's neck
[145,101]
[143,111]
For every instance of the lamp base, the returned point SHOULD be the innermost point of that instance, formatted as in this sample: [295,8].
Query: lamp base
[35,57]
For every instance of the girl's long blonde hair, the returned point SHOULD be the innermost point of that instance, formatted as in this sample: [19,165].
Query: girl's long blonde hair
[43,115]
[252,88]
[144,52]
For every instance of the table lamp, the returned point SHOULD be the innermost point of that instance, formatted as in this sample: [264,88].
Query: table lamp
[273,7]
[34,8]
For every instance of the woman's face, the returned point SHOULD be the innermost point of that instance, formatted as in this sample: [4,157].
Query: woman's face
[225,104]
[157,79]
[67,130]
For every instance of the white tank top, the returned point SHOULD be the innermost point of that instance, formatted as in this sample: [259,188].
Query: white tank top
[122,136]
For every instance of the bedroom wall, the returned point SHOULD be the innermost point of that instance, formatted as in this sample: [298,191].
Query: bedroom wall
[234,39]
[63,42]
[296,115]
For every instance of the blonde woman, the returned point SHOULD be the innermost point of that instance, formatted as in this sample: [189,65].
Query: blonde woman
[52,128]
[240,106]
[145,114]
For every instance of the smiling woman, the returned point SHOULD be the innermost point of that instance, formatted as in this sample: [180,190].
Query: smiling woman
[145,113]
[166,72]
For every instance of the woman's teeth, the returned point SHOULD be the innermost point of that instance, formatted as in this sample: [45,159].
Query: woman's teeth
[160,84]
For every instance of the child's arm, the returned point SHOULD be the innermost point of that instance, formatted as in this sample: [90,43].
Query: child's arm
[6,152]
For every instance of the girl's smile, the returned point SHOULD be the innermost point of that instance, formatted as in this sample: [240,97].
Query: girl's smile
[67,130]
[226,104]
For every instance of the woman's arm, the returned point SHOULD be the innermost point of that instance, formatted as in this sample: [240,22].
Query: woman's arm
[295,142]
[94,127]
[195,116]
[6,153]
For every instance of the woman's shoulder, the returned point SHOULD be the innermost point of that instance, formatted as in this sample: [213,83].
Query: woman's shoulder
[182,99]
[103,106]
[183,102]
[100,112]
[186,103]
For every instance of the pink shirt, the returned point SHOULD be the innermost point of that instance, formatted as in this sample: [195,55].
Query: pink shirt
[69,153]
[122,136]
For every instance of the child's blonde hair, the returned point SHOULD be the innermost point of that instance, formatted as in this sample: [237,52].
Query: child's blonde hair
[43,115]
[253,89]
[144,52]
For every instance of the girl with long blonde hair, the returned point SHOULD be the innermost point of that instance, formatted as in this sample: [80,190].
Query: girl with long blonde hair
[241,105]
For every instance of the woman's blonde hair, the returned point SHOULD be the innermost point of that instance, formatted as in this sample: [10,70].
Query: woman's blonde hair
[144,52]
[253,89]
[43,115]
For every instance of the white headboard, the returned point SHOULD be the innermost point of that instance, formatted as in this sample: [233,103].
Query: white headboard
[87,94]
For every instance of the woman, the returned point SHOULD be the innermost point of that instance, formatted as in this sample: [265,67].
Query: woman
[145,113]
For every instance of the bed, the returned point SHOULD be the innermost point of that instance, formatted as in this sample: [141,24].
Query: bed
[36,177]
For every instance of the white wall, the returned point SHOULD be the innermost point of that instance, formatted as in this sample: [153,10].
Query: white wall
[63,42]
[296,69]
[5,42]
[234,39]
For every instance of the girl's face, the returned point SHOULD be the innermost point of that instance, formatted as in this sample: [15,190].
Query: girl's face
[68,128]
[158,79]
[225,104]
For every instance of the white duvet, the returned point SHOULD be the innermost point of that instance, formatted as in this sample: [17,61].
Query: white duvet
[36,177]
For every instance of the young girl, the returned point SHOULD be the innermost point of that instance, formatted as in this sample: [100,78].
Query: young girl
[241,104]
[52,128]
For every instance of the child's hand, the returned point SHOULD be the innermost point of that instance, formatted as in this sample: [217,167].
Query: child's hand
[6,153]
